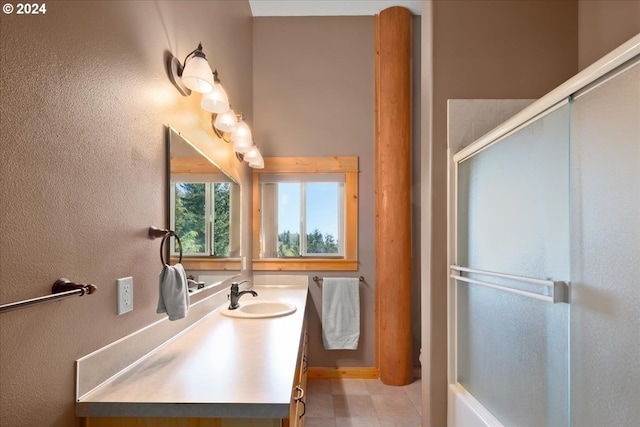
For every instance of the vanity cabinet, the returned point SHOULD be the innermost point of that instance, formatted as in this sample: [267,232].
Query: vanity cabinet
[296,415]
[118,411]
[179,422]
[298,399]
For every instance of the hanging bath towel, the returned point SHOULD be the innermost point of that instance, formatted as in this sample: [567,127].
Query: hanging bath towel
[173,297]
[340,313]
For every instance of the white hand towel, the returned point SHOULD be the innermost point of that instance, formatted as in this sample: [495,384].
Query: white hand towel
[340,313]
[173,297]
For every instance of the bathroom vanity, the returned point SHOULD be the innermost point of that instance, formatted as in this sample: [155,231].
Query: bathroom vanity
[222,371]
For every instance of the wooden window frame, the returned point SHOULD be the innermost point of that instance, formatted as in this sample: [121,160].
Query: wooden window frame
[311,165]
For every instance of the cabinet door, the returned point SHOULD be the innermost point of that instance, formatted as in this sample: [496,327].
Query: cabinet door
[298,396]
[179,422]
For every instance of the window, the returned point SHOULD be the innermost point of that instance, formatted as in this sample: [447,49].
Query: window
[305,214]
[201,214]
[308,216]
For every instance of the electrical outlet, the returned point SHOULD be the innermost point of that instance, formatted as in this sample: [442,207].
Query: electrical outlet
[125,295]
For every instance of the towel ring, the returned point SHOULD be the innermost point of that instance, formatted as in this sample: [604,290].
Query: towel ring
[164,239]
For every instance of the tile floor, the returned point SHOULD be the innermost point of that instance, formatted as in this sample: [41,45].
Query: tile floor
[361,403]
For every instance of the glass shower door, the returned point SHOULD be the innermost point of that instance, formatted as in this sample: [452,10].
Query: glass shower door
[513,219]
[605,252]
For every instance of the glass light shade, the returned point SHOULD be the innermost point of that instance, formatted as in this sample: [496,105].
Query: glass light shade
[252,155]
[241,137]
[197,75]
[215,101]
[226,122]
[258,163]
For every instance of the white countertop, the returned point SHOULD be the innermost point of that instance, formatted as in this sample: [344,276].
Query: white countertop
[222,367]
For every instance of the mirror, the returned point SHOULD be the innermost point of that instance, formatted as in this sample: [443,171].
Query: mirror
[204,209]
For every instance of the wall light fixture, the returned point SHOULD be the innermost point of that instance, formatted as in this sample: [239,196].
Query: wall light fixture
[241,136]
[195,75]
[224,124]
[254,158]
[217,100]
[232,128]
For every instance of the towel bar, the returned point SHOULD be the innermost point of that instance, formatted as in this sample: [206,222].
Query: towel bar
[559,290]
[319,279]
[62,288]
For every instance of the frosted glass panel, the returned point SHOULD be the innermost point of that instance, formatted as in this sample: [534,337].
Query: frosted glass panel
[513,217]
[605,260]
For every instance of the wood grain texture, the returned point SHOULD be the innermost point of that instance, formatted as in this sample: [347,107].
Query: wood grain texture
[376,185]
[180,422]
[305,264]
[309,165]
[351,214]
[365,373]
[189,165]
[393,194]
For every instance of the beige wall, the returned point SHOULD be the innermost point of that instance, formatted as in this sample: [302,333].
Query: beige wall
[85,96]
[604,25]
[314,96]
[416,188]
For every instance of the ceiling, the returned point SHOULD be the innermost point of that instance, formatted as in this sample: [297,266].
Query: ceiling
[328,7]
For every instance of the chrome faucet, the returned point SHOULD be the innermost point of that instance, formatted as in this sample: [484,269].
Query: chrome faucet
[235,295]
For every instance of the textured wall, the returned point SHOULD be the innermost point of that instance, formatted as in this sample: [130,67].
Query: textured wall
[604,25]
[85,96]
[314,96]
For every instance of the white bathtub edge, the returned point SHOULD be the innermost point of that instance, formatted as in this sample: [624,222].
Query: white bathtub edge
[465,411]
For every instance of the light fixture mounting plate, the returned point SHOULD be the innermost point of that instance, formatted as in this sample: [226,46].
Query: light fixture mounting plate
[175,71]
[225,136]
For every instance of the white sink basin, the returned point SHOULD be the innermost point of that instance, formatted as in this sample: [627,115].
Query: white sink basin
[260,309]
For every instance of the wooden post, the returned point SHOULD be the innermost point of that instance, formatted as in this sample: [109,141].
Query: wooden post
[393,194]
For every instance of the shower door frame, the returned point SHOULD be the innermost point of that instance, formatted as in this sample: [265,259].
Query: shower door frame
[462,407]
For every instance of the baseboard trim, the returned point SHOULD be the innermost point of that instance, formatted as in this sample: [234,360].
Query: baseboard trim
[366,373]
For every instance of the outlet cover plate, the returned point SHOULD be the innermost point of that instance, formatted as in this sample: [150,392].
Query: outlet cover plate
[125,295]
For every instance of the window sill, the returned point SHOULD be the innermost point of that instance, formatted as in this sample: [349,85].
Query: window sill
[305,264]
